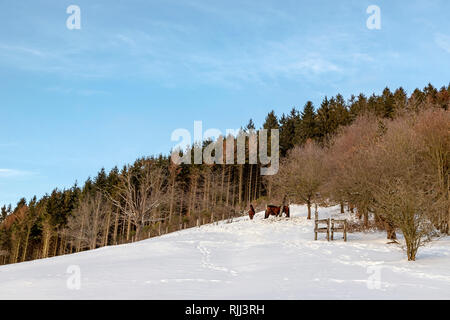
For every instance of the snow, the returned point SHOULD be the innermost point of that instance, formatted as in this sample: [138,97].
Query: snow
[260,259]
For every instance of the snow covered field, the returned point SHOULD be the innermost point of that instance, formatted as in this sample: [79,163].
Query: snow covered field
[260,259]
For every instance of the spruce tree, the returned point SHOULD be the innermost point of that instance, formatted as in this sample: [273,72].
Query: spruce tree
[288,136]
[307,126]
[388,105]
[250,125]
[271,121]
[326,121]
[4,213]
[358,106]
[400,99]
[341,111]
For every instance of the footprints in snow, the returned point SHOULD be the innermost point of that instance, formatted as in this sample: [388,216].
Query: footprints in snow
[206,261]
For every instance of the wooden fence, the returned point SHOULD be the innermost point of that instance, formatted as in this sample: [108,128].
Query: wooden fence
[330,226]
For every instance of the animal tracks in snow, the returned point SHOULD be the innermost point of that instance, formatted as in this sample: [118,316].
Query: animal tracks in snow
[206,260]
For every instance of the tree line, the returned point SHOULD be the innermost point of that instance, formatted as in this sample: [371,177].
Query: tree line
[384,156]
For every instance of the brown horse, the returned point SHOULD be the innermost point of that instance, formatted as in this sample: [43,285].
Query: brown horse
[286,211]
[251,212]
[276,211]
[272,211]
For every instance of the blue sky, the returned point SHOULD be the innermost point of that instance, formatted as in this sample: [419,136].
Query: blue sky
[74,101]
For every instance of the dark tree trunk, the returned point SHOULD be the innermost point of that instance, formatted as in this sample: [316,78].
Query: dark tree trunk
[308,202]
[389,227]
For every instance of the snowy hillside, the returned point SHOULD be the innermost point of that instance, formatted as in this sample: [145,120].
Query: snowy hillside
[260,259]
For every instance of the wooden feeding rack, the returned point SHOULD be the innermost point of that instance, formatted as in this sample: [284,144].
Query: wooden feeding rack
[330,226]
[319,229]
[339,226]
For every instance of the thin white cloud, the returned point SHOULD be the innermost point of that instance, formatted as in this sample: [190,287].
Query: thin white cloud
[173,54]
[82,92]
[364,57]
[442,41]
[13,173]
[262,62]
[126,39]
[258,13]
[257,62]
[316,66]
[22,50]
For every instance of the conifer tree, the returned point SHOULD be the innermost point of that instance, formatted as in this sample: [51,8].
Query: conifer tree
[341,112]
[326,122]
[250,125]
[288,125]
[388,104]
[307,126]
[400,100]
[271,121]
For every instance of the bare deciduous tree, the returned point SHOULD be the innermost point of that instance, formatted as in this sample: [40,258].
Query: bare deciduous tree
[351,172]
[142,194]
[433,131]
[301,175]
[406,191]
[87,225]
